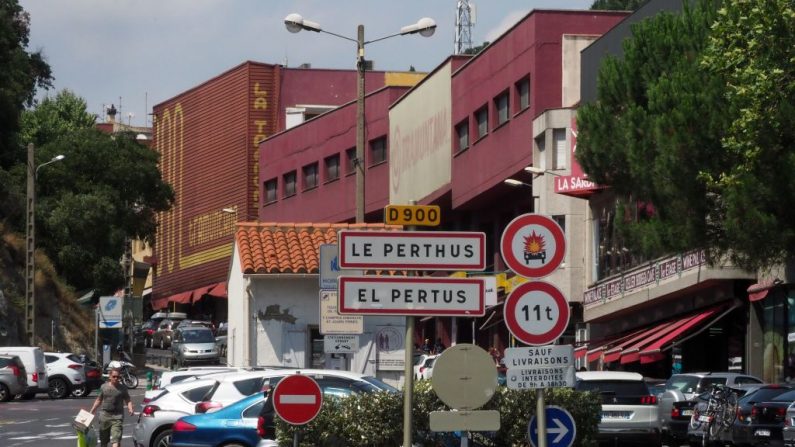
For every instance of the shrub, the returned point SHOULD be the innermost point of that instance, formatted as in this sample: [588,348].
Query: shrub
[376,419]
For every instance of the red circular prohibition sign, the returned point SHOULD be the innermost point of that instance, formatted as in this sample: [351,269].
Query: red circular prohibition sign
[297,399]
[515,327]
[512,258]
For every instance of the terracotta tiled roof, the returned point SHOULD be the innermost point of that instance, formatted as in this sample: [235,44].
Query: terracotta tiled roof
[276,247]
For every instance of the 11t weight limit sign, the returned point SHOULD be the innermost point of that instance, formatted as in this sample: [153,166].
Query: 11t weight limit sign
[536,313]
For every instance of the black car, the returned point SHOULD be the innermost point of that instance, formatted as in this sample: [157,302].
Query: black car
[740,433]
[766,422]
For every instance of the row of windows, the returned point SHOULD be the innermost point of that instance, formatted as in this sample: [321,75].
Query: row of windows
[310,174]
[500,110]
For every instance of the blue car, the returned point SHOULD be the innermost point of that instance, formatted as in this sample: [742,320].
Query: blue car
[235,424]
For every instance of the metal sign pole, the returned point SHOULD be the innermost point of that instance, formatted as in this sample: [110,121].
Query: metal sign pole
[408,370]
[541,418]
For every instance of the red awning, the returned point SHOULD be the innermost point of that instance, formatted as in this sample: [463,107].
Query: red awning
[219,291]
[760,290]
[181,298]
[632,352]
[580,351]
[614,353]
[653,352]
[201,291]
[596,353]
[160,303]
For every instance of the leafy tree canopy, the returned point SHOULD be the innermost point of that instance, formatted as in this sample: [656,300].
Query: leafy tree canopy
[54,118]
[21,73]
[655,130]
[753,47]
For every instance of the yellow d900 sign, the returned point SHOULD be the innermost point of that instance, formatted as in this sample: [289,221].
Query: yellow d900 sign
[424,215]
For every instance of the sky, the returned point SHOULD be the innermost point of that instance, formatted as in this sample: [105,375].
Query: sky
[138,53]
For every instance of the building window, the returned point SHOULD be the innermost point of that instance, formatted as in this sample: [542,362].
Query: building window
[289,184]
[560,219]
[501,108]
[310,176]
[270,190]
[378,151]
[541,144]
[350,161]
[332,164]
[482,120]
[462,132]
[559,137]
[522,94]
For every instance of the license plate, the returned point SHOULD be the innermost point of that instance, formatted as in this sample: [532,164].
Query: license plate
[703,418]
[624,415]
[687,412]
[762,432]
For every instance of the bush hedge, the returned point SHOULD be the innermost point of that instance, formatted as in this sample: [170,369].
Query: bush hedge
[376,419]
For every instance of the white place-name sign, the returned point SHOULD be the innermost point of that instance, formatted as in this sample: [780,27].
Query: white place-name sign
[439,296]
[412,250]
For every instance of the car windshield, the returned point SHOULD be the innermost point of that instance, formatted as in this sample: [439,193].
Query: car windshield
[198,336]
[789,396]
[762,395]
[685,384]
[615,387]
[380,385]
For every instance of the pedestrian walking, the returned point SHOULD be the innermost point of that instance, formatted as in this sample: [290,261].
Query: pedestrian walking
[112,398]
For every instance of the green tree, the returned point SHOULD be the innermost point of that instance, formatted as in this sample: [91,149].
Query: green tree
[753,47]
[107,188]
[21,73]
[618,5]
[56,117]
[653,134]
[477,48]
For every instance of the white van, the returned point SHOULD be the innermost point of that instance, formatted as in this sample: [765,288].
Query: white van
[36,367]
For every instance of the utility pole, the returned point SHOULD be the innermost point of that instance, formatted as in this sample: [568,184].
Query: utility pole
[30,248]
[127,307]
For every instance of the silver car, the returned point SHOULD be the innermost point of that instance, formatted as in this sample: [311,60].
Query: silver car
[153,428]
[13,378]
[194,344]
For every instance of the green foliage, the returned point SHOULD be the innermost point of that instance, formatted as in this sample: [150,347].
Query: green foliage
[752,46]
[21,73]
[477,48]
[54,118]
[106,189]
[618,5]
[654,133]
[377,419]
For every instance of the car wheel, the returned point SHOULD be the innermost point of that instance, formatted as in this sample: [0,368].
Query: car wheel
[58,389]
[5,393]
[80,390]
[27,396]
[163,439]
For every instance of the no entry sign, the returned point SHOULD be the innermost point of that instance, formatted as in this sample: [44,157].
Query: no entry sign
[536,313]
[297,399]
[533,245]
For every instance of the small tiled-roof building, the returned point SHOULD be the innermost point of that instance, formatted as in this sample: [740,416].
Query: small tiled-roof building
[274,315]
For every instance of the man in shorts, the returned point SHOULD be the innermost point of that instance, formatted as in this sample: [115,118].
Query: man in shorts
[110,401]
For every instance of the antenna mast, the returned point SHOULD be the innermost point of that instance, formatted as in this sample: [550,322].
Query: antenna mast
[464,20]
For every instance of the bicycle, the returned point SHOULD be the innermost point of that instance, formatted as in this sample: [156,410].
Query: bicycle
[719,415]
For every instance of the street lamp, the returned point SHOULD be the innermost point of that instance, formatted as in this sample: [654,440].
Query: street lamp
[30,264]
[540,171]
[424,27]
[516,183]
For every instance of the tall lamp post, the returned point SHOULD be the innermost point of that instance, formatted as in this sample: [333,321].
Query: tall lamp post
[424,27]
[30,264]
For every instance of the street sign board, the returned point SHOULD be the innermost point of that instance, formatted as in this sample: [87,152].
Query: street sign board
[464,377]
[331,322]
[110,312]
[536,313]
[549,355]
[533,377]
[297,399]
[340,344]
[385,295]
[329,267]
[412,250]
[533,245]
[477,420]
[423,215]
[561,428]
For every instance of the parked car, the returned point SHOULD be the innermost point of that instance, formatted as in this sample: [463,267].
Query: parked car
[13,377]
[220,339]
[35,367]
[153,428]
[171,377]
[94,378]
[685,387]
[766,422]
[629,410]
[66,372]
[162,336]
[235,424]
[194,344]
[422,368]
[150,327]
[788,432]
[200,323]
[146,333]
